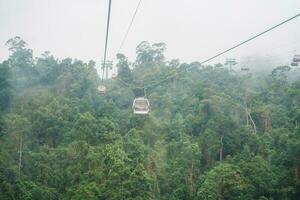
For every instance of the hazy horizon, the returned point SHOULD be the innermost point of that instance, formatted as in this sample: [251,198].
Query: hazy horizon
[192,30]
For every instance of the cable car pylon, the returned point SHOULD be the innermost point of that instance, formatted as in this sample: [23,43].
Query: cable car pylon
[101,87]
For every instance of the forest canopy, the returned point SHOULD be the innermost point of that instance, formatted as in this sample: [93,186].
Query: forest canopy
[211,133]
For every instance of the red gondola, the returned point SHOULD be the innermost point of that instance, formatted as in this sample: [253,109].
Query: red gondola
[102,90]
[114,76]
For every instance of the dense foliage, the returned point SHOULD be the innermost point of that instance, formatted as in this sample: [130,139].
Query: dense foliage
[211,134]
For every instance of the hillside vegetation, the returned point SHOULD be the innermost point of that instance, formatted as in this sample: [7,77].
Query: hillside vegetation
[211,134]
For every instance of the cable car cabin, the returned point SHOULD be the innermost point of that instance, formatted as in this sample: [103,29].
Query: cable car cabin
[296,58]
[141,106]
[114,76]
[294,64]
[245,69]
[101,90]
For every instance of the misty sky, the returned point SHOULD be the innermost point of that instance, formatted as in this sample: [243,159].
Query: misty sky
[192,29]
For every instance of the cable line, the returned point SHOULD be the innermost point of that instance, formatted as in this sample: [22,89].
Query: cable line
[252,38]
[106,40]
[223,52]
[130,25]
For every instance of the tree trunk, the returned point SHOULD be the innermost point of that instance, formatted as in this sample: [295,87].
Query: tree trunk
[247,120]
[221,149]
[296,174]
[253,124]
[221,192]
[20,155]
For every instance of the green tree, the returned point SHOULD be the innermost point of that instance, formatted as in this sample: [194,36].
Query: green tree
[5,86]
[222,182]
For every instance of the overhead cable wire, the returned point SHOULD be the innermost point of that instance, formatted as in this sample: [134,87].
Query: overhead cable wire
[154,83]
[130,25]
[248,40]
[106,38]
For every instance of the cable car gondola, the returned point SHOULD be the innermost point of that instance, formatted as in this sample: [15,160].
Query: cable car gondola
[294,64]
[101,90]
[296,58]
[245,69]
[141,106]
[114,76]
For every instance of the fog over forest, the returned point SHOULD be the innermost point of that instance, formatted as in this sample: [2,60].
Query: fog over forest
[173,115]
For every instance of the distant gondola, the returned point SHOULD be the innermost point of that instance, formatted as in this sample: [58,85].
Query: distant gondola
[114,76]
[245,69]
[294,64]
[101,90]
[296,58]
